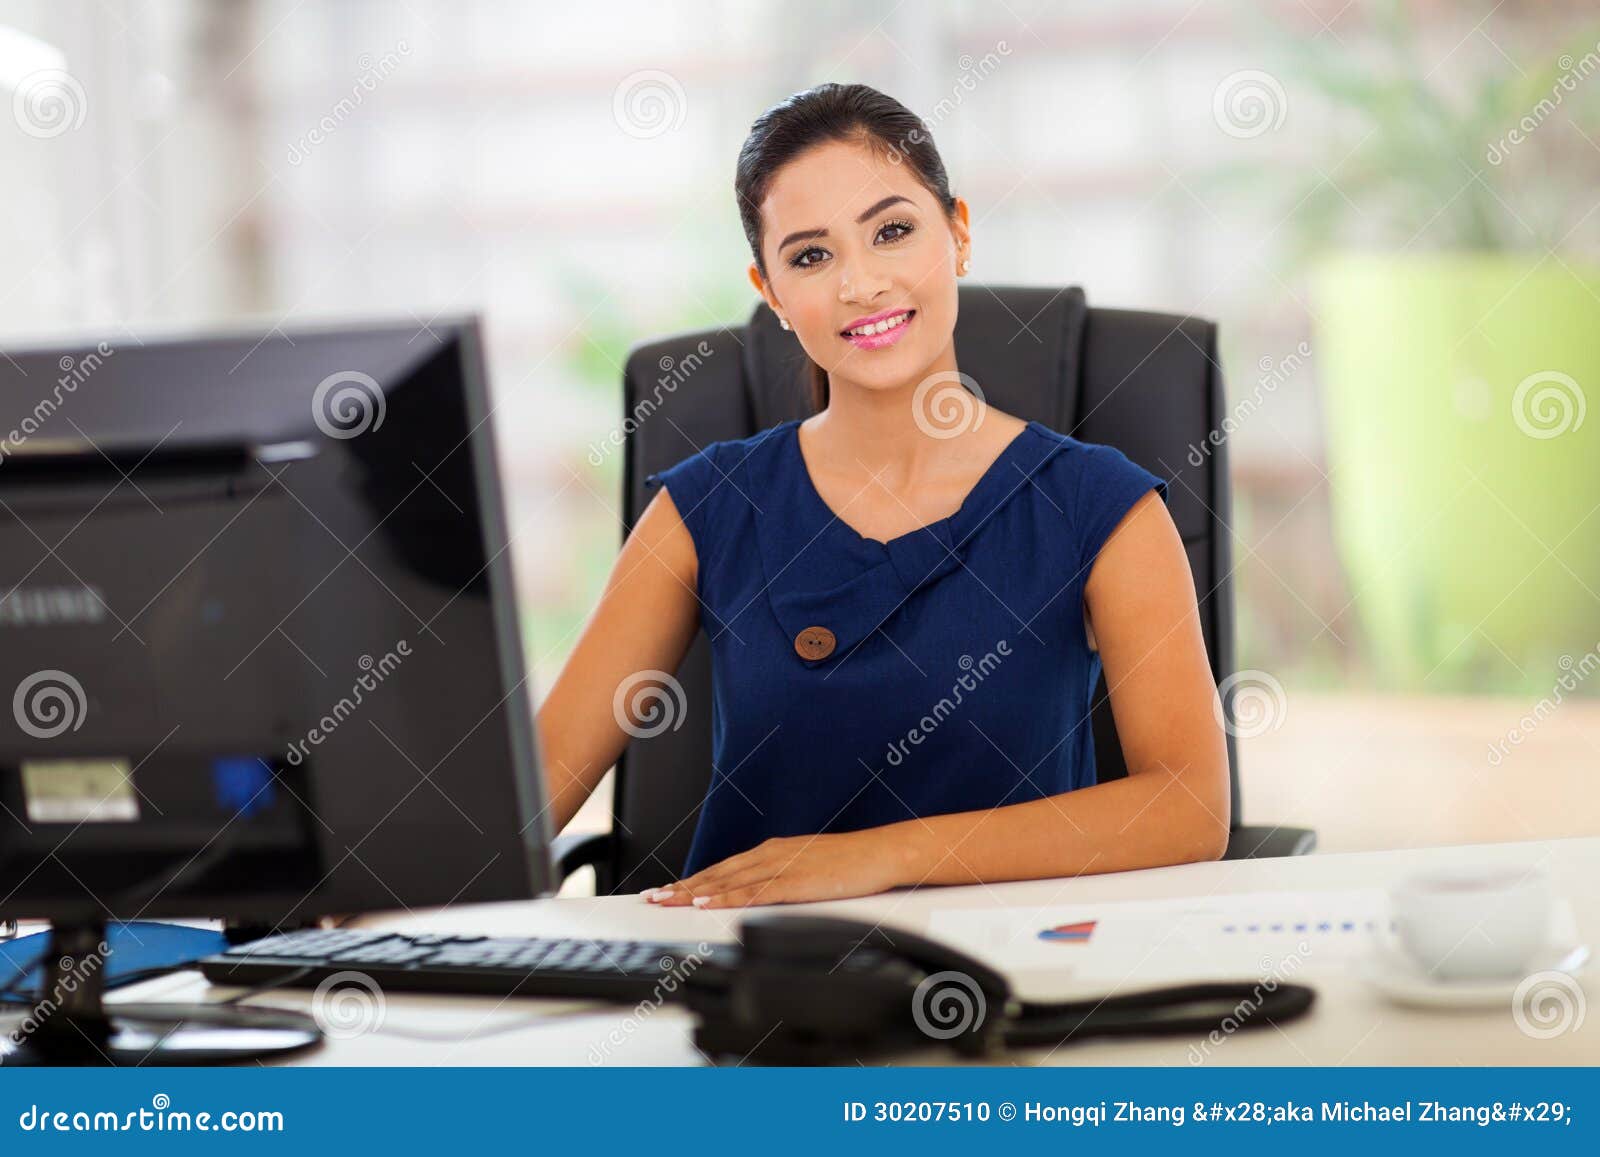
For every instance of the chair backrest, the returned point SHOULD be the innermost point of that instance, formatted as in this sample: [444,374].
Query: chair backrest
[1146,383]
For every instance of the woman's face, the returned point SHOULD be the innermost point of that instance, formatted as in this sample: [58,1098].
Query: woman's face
[851,239]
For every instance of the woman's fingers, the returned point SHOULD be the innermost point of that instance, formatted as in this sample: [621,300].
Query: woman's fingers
[683,891]
[773,890]
[678,888]
[691,891]
[672,895]
[755,875]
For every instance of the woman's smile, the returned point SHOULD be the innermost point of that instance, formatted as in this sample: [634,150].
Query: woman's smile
[880,330]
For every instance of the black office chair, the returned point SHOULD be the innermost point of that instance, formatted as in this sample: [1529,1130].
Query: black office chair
[1147,383]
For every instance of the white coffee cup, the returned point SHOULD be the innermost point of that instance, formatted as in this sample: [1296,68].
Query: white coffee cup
[1471,922]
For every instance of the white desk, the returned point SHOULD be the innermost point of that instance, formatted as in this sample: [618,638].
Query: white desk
[1350,1024]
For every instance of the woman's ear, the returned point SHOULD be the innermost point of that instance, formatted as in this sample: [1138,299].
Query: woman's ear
[961,230]
[761,287]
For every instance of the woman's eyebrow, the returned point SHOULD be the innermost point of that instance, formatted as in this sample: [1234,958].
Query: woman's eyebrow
[808,234]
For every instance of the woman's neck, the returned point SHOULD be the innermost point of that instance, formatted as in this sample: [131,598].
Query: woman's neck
[895,431]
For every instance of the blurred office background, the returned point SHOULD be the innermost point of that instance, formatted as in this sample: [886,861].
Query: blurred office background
[1392,210]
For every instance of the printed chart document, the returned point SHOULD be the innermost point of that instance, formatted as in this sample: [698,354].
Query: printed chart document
[1251,934]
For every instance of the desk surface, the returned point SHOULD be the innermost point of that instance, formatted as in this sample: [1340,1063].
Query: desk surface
[1350,1025]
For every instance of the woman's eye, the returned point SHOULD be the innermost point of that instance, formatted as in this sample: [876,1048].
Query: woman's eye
[811,255]
[904,229]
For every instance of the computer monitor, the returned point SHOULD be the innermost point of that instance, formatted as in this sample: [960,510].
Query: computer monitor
[259,650]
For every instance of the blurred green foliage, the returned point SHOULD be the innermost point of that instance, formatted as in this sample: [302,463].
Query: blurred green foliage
[1420,153]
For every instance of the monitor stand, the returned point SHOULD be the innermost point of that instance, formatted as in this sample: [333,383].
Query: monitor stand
[71,1024]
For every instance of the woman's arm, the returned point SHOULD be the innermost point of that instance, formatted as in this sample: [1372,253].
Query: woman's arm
[1173,805]
[1171,809]
[646,620]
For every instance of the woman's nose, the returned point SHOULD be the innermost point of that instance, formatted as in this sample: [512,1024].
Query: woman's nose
[859,283]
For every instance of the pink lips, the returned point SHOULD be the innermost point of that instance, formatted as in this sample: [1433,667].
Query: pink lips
[888,337]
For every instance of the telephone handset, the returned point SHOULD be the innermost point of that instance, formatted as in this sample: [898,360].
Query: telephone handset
[808,989]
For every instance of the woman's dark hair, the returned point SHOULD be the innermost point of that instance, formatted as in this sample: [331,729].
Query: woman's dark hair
[853,113]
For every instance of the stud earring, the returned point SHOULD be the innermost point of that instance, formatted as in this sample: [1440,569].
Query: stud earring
[965,265]
[783,321]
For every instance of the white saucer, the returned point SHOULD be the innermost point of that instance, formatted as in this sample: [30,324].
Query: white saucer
[1402,980]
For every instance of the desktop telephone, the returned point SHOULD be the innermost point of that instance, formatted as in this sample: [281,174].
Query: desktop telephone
[825,990]
[799,989]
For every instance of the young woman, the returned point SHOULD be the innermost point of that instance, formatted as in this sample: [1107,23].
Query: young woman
[907,613]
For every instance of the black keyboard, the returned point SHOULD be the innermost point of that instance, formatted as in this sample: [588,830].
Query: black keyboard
[626,971]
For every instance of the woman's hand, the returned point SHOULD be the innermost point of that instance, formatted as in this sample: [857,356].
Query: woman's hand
[793,870]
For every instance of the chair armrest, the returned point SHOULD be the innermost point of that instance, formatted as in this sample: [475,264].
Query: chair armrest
[1261,843]
[581,849]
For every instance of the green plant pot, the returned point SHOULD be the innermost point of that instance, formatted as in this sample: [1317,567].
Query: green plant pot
[1464,464]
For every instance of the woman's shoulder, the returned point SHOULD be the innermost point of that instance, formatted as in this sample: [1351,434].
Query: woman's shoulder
[710,484]
[1094,485]
[724,454]
[1087,463]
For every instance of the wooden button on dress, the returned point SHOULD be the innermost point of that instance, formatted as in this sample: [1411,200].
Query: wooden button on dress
[814,643]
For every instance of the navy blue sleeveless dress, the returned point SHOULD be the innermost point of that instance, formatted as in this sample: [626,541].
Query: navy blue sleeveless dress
[858,683]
